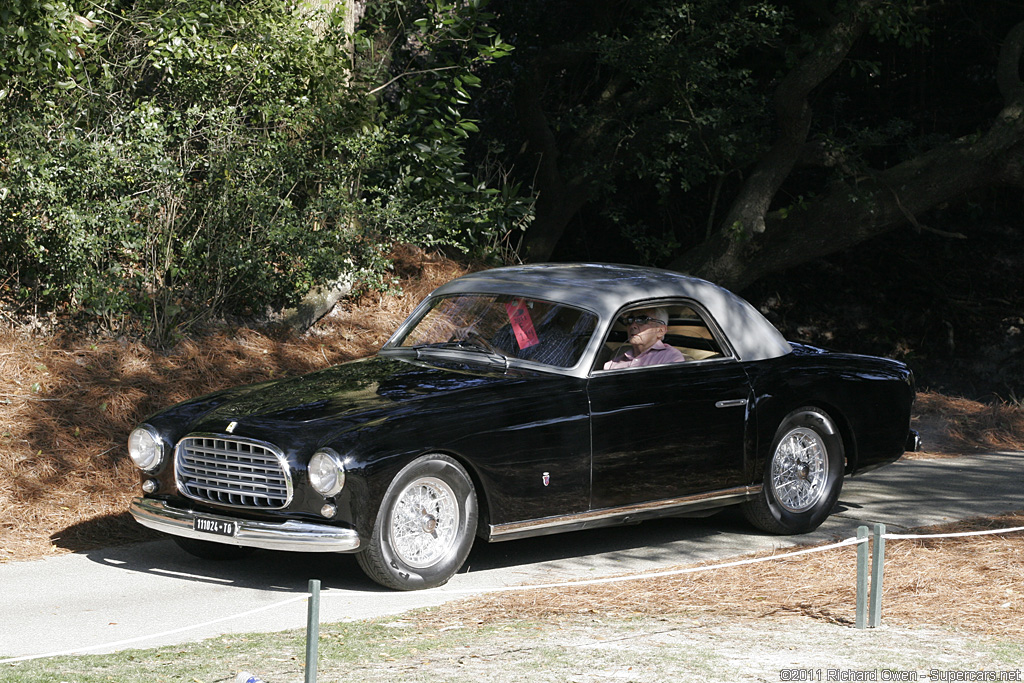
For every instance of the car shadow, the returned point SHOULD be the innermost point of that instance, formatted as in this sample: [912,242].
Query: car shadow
[651,540]
[661,541]
[265,570]
[129,546]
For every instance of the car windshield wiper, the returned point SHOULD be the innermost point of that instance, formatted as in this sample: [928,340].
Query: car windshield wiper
[471,347]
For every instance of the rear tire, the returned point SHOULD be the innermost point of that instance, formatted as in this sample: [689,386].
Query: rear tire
[803,477]
[425,526]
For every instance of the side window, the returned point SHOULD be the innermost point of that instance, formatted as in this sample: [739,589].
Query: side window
[688,332]
[650,335]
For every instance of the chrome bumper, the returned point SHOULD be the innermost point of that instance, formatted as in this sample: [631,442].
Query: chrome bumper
[291,535]
[914,443]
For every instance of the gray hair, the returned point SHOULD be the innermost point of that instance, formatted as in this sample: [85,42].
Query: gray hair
[661,313]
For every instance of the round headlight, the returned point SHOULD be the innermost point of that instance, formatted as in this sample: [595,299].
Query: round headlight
[326,472]
[145,448]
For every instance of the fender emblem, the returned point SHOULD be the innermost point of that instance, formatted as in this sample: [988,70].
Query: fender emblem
[546,478]
[231,427]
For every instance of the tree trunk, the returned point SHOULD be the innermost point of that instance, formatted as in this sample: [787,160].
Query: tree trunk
[558,200]
[793,114]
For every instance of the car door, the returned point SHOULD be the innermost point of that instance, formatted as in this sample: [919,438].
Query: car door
[668,431]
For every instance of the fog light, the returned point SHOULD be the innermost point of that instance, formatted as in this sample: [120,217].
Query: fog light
[328,511]
[150,486]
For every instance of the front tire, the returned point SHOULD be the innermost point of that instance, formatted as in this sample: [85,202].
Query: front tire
[803,478]
[425,526]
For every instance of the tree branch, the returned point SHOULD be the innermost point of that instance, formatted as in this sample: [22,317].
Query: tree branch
[856,210]
[406,74]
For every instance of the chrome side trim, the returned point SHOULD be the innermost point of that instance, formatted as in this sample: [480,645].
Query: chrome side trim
[289,535]
[619,515]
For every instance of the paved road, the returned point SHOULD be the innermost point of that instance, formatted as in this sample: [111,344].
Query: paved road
[118,594]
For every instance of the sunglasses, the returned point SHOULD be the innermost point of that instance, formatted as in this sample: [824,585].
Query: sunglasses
[641,319]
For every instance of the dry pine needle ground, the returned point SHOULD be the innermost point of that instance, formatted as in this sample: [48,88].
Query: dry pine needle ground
[66,408]
[973,584]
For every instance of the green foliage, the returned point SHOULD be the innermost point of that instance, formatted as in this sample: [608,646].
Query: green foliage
[650,102]
[898,20]
[45,46]
[229,158]
[701,110]
[430,75]
[705,114]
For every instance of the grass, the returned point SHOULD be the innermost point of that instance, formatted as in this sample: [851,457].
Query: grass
[371,644]
[949,603]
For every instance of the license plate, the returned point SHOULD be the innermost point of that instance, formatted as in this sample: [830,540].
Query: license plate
[209,525]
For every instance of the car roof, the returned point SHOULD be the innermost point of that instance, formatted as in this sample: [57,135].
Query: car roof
[606,288]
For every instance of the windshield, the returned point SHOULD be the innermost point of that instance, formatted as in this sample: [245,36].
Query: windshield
[514,327]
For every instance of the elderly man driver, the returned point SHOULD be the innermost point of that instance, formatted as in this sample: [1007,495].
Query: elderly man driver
[646,329]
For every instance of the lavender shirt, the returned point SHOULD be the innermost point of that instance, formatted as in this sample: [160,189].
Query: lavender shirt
[659,354]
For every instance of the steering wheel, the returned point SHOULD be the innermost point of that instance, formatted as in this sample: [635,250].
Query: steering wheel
[475,339]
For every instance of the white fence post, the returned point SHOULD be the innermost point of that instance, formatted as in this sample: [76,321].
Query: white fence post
[862,578]
[313,631]
[877,571]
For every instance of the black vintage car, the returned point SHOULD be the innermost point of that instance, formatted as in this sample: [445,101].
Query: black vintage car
[523,401]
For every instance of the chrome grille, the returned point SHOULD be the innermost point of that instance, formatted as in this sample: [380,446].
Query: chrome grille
[236,472]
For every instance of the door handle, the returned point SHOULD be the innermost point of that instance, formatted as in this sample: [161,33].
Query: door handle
[731,403]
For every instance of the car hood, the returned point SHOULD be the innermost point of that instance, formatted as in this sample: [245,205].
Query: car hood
[346,391]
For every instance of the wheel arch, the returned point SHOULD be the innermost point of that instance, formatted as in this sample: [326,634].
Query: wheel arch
[847,435]
[482,492]
[770,419]
[374,470]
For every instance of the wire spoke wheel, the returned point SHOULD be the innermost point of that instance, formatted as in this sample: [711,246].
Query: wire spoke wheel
[799,474]
[425,527]
[425,522]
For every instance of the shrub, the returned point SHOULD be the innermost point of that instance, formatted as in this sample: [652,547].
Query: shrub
[193,158]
